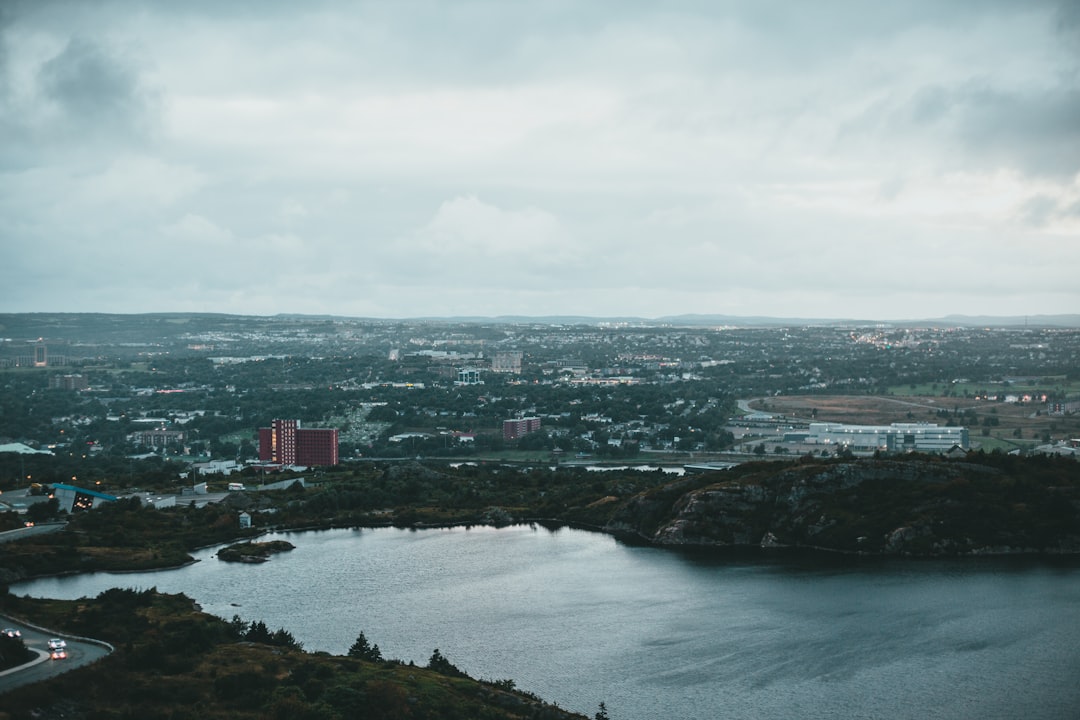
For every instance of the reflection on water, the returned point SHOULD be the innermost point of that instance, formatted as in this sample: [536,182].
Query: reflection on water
[580,618]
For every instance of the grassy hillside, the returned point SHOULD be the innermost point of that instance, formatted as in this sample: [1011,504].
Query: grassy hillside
[173,661]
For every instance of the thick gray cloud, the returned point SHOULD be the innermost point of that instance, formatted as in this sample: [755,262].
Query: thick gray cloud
[91,90]
[1032,130]
[482,157]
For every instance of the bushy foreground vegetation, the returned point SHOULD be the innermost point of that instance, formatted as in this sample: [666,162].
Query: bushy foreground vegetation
[173,661]
[13,652]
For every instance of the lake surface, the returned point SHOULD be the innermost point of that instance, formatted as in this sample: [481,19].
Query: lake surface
[579,618]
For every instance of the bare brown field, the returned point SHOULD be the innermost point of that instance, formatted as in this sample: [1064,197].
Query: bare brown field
[856,409]
[1033,424]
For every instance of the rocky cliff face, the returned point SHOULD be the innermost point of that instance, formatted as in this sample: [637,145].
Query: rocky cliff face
[901,507]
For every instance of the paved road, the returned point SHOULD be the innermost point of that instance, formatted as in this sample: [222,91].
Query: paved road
[20,533]
[79,653]
[744,405]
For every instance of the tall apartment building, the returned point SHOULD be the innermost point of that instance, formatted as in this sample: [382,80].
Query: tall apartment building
[515,428]
[68,382]
[507,362]
[286,443]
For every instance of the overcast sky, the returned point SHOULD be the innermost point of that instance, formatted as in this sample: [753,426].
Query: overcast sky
[614,157]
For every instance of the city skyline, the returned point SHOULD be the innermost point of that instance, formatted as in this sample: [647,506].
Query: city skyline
[613,159]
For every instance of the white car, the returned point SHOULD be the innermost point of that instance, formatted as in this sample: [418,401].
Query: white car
[11,632]
[58,654]
[57,644]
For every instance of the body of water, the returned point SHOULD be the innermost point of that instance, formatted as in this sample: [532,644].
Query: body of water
[580,618]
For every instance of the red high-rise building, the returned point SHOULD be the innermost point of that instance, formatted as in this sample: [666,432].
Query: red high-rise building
[286,443]
[513,429]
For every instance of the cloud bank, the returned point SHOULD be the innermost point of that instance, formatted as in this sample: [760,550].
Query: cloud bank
[484,158]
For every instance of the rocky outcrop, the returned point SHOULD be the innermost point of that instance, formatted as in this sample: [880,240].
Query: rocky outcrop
[892,507]
[249,552]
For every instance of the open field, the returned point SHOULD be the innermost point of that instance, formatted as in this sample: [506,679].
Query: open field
[856,409]
[1057,384]
[239,437]
[997,424]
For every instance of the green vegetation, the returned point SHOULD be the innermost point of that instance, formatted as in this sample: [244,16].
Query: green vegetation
[918,505]
[172,661]
[363,650]
[122,535]
[11,520]
[1026,496]
[1056,384]
[991,443]
[253,552]
[416,494]
[127,536]
[13,652]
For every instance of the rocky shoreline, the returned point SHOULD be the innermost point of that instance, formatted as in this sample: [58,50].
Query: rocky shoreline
[871,507]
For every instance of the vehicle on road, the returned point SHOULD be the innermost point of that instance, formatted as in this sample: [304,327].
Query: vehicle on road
[58,654]
[57,644]
[11,632]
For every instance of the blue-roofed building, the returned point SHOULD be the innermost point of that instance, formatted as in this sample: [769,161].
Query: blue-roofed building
[73,498]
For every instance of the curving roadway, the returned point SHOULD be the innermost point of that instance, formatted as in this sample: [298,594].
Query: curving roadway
[39,529]
[80,652]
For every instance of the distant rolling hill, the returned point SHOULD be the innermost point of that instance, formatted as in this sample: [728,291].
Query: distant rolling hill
[104,327]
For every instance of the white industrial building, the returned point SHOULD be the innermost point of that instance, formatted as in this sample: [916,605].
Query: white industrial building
[218,467]
[898,437]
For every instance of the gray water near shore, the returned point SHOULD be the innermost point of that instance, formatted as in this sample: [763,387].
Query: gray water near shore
[579,618]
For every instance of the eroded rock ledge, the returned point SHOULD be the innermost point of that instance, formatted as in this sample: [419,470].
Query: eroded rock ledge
[874,507]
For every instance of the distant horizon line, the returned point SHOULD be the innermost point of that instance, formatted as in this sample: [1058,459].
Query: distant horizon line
[695,319]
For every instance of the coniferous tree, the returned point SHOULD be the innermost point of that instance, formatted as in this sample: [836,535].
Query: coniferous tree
[364,650]
[440,664]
